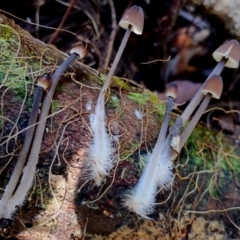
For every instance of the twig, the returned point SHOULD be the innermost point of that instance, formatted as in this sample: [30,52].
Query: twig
[170,20]
[105,60]
[55,35]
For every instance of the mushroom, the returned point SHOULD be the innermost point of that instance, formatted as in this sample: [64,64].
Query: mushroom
[43,83]
[80,49]
[101,153]
[183,95]
[157,172]
[228,55]
[9,207]
[132,20]
[211,89]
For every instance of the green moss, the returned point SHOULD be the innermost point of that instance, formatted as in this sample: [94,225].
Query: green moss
[210,154]
[62,88]
[16,72]
[99,79]
[128,149]
[55,105]
[214,193]
[140,98]
[116,82]
[142,162]
[121,83]
[209,157]
[147,97]
[113,102]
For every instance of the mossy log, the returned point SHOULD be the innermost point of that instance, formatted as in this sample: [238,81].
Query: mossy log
[60,205]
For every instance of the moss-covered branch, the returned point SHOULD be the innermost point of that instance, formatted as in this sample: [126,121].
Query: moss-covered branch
[60,201]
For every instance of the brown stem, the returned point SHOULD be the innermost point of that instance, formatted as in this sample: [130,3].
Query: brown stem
[55,35]
[170,19]
[106,58]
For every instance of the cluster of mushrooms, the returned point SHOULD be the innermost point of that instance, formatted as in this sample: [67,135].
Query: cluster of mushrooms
[17,189]
[101,158]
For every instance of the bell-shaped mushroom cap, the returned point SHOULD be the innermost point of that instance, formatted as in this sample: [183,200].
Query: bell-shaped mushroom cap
[172,90]
[214,86]
[80,49]
[44,81]
[229,50]
[134,16]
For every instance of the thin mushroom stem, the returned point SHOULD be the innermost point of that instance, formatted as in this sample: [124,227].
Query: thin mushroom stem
[199,95]
[158,172]
[43,83]
[218,68]
[25,149]
[30,169]
[163,131]
[101,153]
[100,101]
[188,130]
[212,88]
[56,77]
[165,123]
[116,60]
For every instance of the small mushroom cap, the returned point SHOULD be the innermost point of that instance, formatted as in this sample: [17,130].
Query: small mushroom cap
[172,90]
[214,86]
[44,81]
[134,16]
[229,50]
[80,49]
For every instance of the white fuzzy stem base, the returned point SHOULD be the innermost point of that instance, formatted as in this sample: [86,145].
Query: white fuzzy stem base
[101,154]
[141,199]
